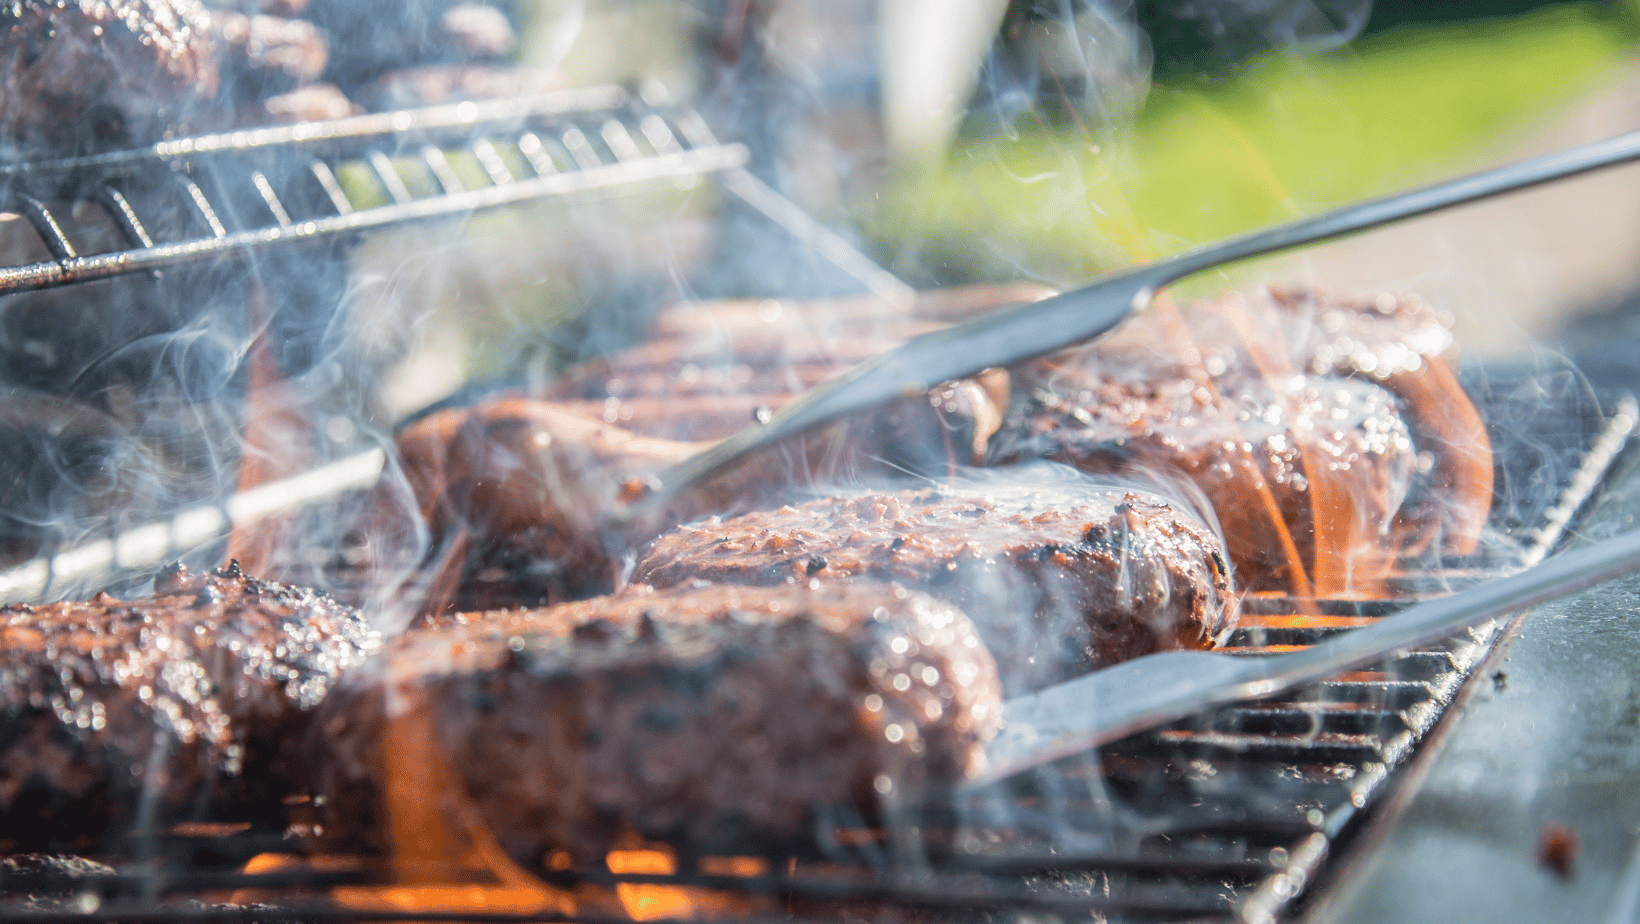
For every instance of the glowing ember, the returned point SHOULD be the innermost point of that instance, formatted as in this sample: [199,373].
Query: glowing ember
[649,902]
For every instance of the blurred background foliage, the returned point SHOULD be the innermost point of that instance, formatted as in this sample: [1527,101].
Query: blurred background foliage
[1227,143]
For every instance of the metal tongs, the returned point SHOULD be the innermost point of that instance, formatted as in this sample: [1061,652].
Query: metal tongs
[1140,694]
[1010,335]
[1071,717]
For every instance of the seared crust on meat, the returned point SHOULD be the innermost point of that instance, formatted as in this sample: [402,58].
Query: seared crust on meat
[1334,446]
[1328,432]
[191,704]
[524,487]
[1059,576]
[516,488]
[708,717]
[85,74]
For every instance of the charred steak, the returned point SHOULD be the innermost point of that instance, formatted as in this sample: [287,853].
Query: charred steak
[516,486]
[1328,432]
[1315,455]
[85,74]
[706,717]
[1059,576]
[188,706]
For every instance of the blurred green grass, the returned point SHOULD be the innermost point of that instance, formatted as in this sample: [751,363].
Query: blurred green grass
[1287,137]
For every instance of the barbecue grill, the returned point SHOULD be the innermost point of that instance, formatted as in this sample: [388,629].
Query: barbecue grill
[1237,814]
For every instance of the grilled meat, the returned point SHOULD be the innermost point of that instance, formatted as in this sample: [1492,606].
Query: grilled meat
[1402,344]
[1059,576]
[96,74]
[708,717]
[267,56]
[85,74]
[522,485]
[187,706]
[39,878]
[1327,457]
[373,37]
[754,357]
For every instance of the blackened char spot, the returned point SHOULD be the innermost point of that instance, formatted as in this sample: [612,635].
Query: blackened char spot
[598,630]
[649,628]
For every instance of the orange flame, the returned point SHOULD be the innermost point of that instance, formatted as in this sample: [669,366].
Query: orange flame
[443,856]
[645,902]
[649,902]
[274,443]
[1267,506]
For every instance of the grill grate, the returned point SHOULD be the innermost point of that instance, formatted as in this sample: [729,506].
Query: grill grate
[191,200]
[236,194]
[1229,816]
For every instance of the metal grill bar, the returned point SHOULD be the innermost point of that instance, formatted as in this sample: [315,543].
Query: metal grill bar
[157,543]
[46,225]
[103,266]
[126,217]
[1227,817]
[490,159]
[271,198]
[389,177]
[272,166]
[333,189]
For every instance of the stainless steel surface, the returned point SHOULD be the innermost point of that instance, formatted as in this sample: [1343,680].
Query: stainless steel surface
[1552,737]
[1023,331]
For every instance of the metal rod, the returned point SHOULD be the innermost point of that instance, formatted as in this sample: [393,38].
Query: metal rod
[103,266]
[126,217]
[202,204]
[492,162]
[817,237]
[45,224]
[271,198]
[388,174]
[333,189]
[1021,332]
[157,543]
[434,119]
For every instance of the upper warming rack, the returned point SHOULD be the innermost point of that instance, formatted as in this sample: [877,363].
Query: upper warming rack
[196,199]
